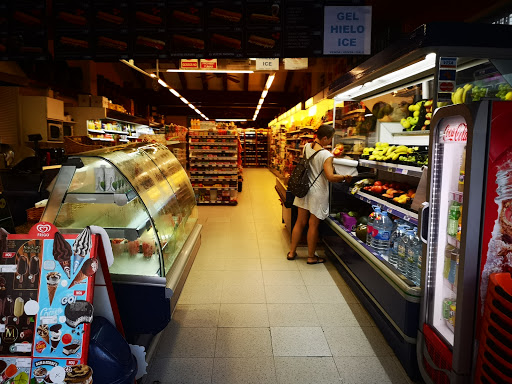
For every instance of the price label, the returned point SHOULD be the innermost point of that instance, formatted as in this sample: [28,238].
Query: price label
[406,218]
[389,210]
[23,347]
[392,170]
[405,171]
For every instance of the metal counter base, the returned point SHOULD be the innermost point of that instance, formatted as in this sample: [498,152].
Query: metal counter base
[146,304]
[393,304]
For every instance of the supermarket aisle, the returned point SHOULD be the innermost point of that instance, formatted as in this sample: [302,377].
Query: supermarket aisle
[248,315]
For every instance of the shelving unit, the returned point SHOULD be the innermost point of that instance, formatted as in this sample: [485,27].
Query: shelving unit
[295,141]
[393,168]
[213,165]
[255,147]
[277,149]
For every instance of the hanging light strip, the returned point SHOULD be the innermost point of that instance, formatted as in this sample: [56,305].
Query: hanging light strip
[263,95]
[165,85]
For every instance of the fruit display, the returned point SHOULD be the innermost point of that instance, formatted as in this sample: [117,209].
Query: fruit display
[338,150]
[397,193]
[401,154]
[460,94]
[420,115]
[477,92]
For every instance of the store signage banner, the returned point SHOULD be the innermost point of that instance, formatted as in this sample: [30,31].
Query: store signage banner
[297,63]
[208,64]
[347,30]
[267,64]
[189,64]
[446,82]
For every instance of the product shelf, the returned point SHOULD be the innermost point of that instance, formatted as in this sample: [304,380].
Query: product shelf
[218,188]
[124,133]
[410,216]
[212,143]
[212,150]
[394,168]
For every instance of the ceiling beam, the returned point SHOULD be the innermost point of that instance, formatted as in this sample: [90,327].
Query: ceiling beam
[225,81]
[205,81]
[183,81]
[288,81]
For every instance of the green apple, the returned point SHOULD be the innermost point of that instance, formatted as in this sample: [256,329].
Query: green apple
[416,113]
[414,120]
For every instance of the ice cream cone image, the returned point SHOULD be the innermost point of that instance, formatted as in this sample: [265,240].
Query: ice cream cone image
[88,269]
[55,336]
[81,247]
[43,331]
[52,282]
[62,253]
[78,261]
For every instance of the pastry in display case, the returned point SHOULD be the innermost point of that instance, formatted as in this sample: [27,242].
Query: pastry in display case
[139,193]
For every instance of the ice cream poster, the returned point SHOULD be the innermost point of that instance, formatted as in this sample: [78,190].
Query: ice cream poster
[46,290]
[15,369]
[65,309]
[19,281]
[60,371]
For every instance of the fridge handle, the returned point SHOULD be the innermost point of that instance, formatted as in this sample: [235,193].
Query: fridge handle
[424,218]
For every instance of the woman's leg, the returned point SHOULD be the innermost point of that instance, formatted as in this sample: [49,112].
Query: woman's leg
[314,223]
[298,228]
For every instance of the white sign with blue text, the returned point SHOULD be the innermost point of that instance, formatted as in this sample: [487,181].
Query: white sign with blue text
[347,30]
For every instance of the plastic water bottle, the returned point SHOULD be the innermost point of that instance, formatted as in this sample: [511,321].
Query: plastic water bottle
[383,227]
[413,251]
[402,251]
[369,225]
[395,238]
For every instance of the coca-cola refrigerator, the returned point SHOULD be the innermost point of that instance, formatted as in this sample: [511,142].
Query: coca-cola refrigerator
[466,225]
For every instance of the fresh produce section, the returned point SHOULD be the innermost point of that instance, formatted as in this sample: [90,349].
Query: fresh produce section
[420,115]
[401,154]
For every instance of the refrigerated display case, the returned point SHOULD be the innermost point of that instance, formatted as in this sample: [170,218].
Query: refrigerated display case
[393,85]
[465,231]
[143,198]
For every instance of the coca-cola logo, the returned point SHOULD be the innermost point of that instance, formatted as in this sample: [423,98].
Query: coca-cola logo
[456,133]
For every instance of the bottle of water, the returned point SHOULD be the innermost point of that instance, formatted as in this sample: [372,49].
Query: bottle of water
[402,251]
[369,225]
[413,251]
[383,226]
[395,238]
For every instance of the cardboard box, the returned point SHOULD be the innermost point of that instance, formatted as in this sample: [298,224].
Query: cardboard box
[84,100]
[99,101]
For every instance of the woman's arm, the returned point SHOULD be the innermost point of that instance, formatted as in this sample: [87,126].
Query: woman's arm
[331,176]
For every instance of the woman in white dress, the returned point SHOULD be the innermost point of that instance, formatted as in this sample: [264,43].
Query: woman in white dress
[314,207]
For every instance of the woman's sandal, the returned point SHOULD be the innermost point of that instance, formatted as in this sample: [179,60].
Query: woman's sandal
[291,257]
[319,260]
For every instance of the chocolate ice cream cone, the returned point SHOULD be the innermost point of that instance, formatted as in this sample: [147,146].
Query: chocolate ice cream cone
[51,292]
[66,267]
[80,276]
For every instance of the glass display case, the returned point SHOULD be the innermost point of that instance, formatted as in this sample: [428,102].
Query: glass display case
[139,193]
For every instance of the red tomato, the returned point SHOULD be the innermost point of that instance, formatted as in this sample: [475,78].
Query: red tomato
[377,189]
[378,183]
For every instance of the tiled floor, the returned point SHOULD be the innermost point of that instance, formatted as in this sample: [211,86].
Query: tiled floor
[248,315]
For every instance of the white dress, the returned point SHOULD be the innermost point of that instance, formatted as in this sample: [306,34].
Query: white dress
[317,199]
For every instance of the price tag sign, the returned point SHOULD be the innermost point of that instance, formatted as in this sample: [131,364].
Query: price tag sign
[406,218]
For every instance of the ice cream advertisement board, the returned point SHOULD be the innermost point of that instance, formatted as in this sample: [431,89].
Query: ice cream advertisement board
[46,289]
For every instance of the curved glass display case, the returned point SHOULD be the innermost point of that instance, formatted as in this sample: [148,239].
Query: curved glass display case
[139,193]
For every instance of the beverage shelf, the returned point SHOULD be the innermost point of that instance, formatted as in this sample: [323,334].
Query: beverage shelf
[213,136]
[394,168]
[370,254]
[411,217]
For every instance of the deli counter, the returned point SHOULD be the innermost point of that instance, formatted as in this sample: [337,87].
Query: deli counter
[140,194]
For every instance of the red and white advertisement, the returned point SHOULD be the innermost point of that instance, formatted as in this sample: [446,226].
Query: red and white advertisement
[497,230]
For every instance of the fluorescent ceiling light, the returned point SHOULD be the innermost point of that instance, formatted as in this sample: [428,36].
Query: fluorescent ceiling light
[427,63]
[163,83]
[270,80]
[173,91]
[191,106]
[230,119]
[184,100]
[258,107]
[261,101]
[152,75]
[264,94]
[210,70]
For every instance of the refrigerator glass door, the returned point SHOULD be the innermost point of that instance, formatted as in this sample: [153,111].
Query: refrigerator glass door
[443,247]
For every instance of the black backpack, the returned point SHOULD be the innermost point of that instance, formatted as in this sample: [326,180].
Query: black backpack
[298,183]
